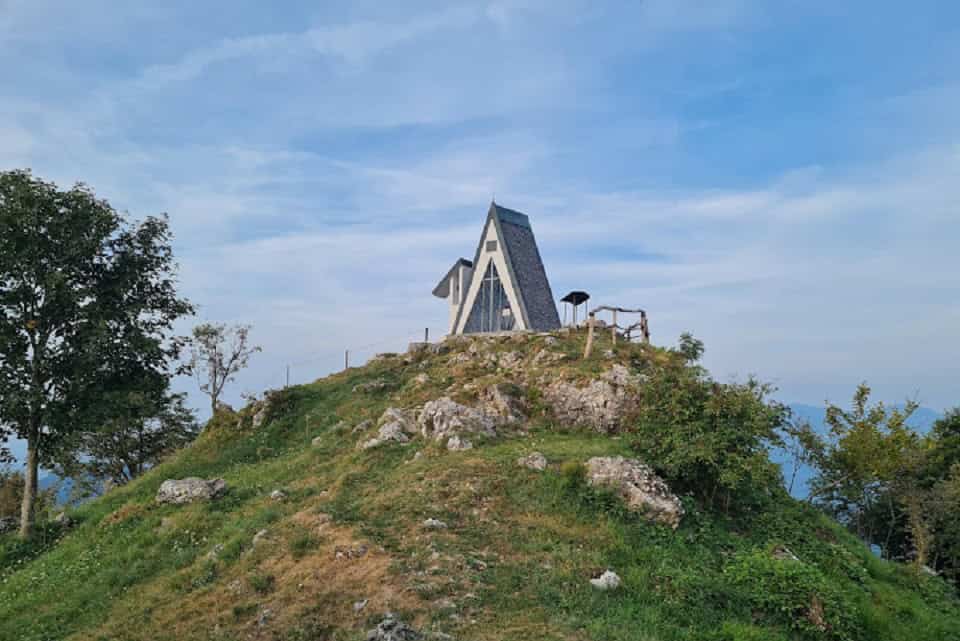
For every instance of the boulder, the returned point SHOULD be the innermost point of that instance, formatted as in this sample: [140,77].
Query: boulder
[444,418]
[393,629]
[63,520]
[503,400]
[457,443]
[640,487]
[188,490]
[395,426]
[600,405]
[278,495]
[534,461]
[609,580]
[434,524]
[260,537]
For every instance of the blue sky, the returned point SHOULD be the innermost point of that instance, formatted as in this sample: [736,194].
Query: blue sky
[782,179]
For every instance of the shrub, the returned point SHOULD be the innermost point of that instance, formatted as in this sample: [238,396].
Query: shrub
[708,438]
[261,583]
[794,594]
[302,544]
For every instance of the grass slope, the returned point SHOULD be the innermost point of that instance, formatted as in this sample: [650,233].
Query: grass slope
[513,564]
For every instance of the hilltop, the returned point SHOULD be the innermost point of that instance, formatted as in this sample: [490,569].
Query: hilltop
[453,486]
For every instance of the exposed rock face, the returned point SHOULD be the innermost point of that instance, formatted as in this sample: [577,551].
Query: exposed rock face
[180,491]
[457,443]
[639,486]
[502,400]
[444,419]
[609,580]
[534,461]
[600,405]
[395,425]
[393,629]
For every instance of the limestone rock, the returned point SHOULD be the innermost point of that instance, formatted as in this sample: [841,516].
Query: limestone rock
[377,385]
[434,524]
[600,405]
[639,486]
[457,443]
[609,580]
[63,519]
[278,495]
[260,537]
[393,629]
[317,441]
[444,418]
[362,426]
[421,379]
[395,425]
[503,401]
[180,491]
[509,360]
[534,461]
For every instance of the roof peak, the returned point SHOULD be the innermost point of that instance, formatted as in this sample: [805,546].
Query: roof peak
[507,215]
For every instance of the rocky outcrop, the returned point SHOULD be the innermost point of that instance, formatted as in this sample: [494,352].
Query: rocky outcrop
[393,629]
[609,580]
[600,405]
[534,461]
[444,419]
[503,401]
[188,490]
[396,425]
[640,487]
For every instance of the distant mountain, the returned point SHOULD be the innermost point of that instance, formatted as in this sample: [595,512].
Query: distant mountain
[921,420]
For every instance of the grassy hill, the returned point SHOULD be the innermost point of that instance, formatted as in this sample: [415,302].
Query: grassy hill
[346,543]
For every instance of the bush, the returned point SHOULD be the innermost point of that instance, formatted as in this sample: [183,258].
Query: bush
[708,438]
[261,583]
[302,544]
[794,594]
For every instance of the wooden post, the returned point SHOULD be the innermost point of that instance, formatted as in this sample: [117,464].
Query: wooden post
[614,328]
[590,320]
[426,334]
[346,359]
[644,329]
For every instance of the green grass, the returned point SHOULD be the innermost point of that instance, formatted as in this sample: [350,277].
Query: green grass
[514,563]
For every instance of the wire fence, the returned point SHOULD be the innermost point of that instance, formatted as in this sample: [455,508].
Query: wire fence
[305,368]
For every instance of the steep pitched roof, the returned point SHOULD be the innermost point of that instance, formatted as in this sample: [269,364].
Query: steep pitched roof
[527,272]
[442,290]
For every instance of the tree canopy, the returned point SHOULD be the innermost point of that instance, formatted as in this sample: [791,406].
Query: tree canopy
[87,304]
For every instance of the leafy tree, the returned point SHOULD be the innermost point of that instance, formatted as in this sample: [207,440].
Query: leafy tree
[864,454]
[144,430]
[709,438]
[11,494]
[87,302]
[217,353]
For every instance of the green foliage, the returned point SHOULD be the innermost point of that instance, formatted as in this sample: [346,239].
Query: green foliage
[523,545]
[302,544]
[87,304]
[261,583]
[793,594]
[709,438]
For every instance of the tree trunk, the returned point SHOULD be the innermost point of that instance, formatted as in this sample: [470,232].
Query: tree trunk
[28,506]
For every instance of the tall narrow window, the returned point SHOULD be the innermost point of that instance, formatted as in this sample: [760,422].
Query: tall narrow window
[490,311]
